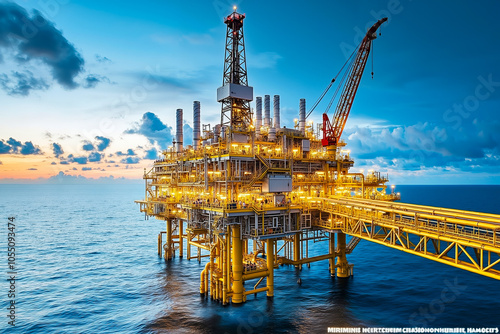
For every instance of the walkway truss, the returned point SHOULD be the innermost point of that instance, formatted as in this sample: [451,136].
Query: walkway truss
[462,239]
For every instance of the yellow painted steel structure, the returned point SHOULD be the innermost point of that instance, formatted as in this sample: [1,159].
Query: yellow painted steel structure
[249,200]
[216,200]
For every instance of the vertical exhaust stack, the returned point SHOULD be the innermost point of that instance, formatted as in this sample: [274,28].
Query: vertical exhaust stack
[302,116]
[196,124]
[258,115]
[179,136]
[272,134]
[267,111]
[276,113]
[216,132]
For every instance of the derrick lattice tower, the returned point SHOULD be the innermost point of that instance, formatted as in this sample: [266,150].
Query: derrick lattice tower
[235,94]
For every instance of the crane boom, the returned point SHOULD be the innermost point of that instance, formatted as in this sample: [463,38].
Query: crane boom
[332,131]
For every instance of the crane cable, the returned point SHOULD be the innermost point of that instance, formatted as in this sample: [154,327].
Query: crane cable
[346,74]
[349,60]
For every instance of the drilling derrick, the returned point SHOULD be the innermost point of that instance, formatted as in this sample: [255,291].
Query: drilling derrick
[248,199]
[235,94]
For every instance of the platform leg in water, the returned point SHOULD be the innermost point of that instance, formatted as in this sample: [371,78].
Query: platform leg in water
[343,267]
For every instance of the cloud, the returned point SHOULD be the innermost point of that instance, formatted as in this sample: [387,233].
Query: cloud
[63,178]
[64,162]
[28,148]
[423,146]
[57,149]
[130,160]
[95,157]
[93,79]
[35,38]
[151,154]
[78,160]
[1,163]
[53,163]
[86,168]
[13,146]
[88,146]
[21,83]
[129,152]
[32,169]
[101,59]
[153,129]
[103,143]
[4,148]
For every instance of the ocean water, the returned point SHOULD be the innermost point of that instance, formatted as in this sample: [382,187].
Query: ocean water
[87,263]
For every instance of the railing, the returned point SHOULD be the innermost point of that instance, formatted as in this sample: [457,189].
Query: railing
[438,221]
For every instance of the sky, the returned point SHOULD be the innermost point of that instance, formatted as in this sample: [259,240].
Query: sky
[89,89]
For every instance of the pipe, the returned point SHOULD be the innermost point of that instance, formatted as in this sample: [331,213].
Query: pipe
[270,267]
[256,285]
[202,281]
[256,291]
[276,112]
[159,244]
[308,259]
[296,248]
[179,139]
[196,124]
[237,266]
[203,289]
[188,244]
[197,244]
[207,273]
[253,275]
[228,265]
[181,242]
[267,111]
[168,248]
[331,249]
[302,116]
[224,271]
[258,115]
[212,269]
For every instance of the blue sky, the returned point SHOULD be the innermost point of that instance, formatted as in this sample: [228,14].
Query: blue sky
[93,89]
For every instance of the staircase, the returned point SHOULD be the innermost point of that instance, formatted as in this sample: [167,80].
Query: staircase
[266,168]
[352,244]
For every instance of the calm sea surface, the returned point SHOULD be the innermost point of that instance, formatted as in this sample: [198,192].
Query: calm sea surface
[87,263]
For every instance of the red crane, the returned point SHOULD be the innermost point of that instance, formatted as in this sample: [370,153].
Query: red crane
[332,131]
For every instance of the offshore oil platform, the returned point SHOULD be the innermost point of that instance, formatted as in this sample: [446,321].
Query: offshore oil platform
[250,195]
